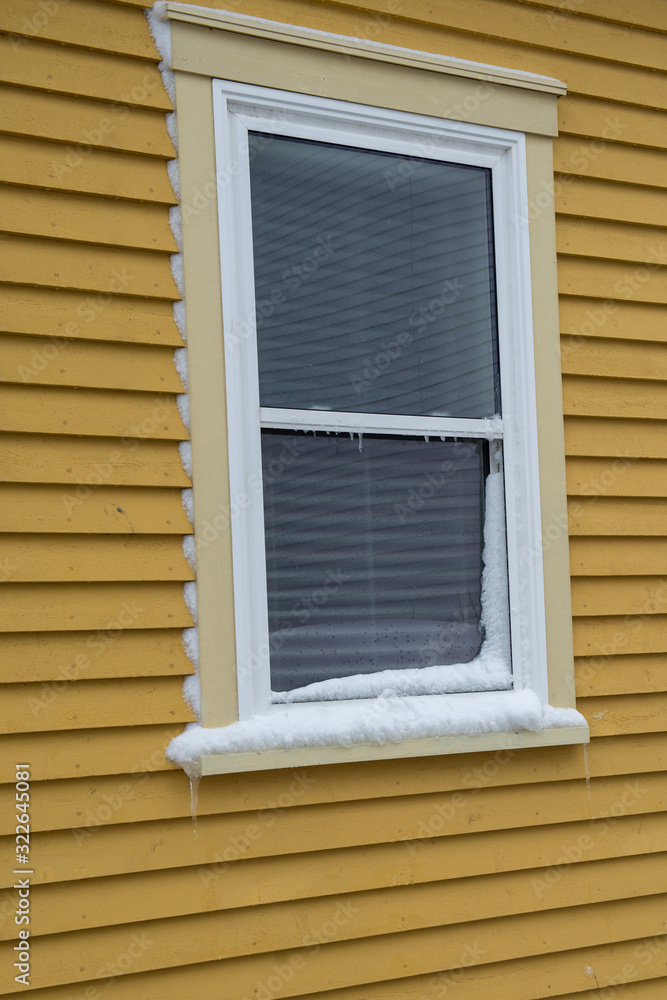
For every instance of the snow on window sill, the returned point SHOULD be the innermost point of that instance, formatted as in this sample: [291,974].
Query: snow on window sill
[374,729]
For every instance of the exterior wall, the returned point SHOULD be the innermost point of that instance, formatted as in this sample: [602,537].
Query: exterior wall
[515,867]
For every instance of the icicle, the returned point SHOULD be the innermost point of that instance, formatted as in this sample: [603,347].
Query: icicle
[193,770]
[588,774]
[361,440]
[426,437]
[194,793]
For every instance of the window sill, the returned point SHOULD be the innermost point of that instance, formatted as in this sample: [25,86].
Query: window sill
[302,735]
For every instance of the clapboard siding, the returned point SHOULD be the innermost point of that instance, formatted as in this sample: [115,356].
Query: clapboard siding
[591,198]
[605,637]
[42,164]
[609,161]
[101,269]
[163,841]
[88,364]
[28,211]
[106,27]
[260,930]
[611,279]
[64,314]
[176,892]
[81,752]
[52,658]
[56,558]
[586,317]
[520,979]
[622,755]
[86,506]
[91,703]
[556,880]
[387,955]
[565,800]
[82,121]
[29,606]
[617,477]
[615,437]
[618,556]
[613,358]
[101,751]
[54,68]
[598,397]
[81,462]
[64,411]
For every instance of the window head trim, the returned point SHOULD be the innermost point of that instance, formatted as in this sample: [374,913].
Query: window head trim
[258,27]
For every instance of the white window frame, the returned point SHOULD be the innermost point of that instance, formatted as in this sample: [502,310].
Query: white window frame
[240,108]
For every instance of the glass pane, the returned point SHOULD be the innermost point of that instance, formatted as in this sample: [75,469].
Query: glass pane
[374,554]
[374,281]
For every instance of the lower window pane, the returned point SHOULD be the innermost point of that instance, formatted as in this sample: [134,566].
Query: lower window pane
[373,553]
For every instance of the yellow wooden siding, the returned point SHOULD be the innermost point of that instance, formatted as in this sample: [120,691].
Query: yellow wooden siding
[89,751]
[90,462]
[63,314]
[399,867]
[86,219]
[43,164]
[41,657]
[87,506]
[609,161]
[68,70]
[593,198]
[80,121]
[88,365]
[106,271]
[85,23]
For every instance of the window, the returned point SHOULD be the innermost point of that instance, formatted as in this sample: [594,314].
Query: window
[374,405]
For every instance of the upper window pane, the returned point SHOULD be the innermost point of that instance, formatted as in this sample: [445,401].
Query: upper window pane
[374,281]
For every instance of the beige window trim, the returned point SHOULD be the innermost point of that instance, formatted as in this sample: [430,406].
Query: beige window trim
[250,50]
